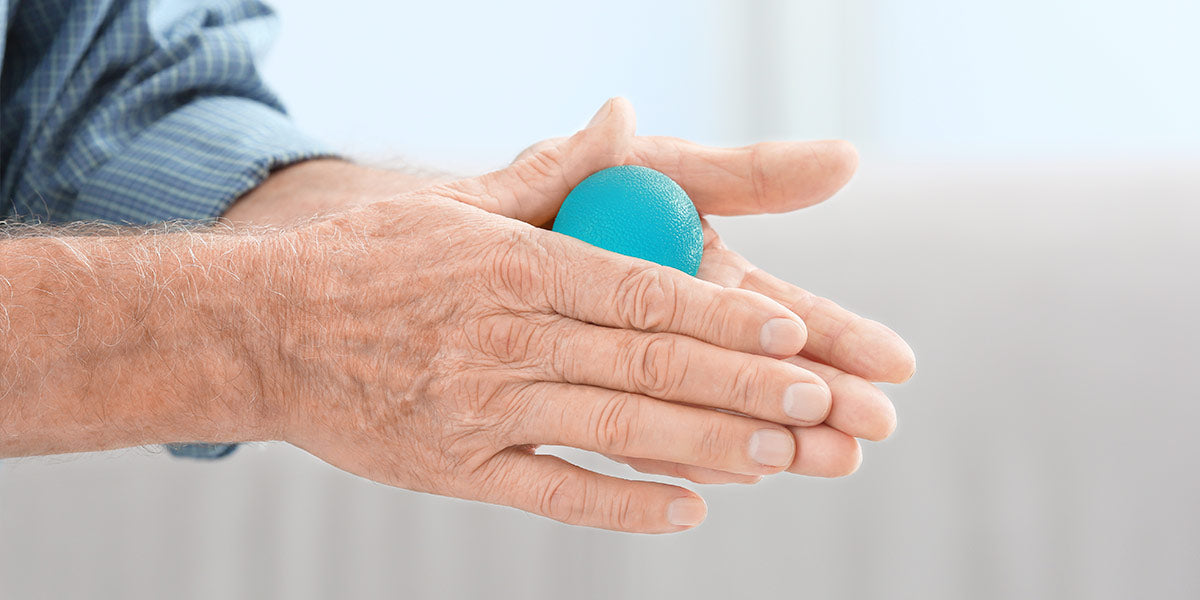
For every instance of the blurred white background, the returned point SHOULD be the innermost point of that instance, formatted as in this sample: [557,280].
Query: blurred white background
[1026,214]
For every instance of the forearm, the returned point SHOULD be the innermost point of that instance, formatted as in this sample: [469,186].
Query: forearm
[322,186]
[120,340]
[109,341]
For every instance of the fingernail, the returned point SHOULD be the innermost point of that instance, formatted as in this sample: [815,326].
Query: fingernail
[600,115]
[806,402]
[781,336]
[686,512]
[771,447]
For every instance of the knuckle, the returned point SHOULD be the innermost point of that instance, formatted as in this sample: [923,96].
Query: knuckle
[729,305]
[540,165]
[479,397]
[476,402]
[647,299]
[842,341]
[712,444]
[562,355]
[490,481]
[515,267]
[538,147]
[483,416]
[746,380]
[622,510]
[563,497]
[507,408]
[658,366]
[612,423]
[760,179]
[507,338]
[807,303]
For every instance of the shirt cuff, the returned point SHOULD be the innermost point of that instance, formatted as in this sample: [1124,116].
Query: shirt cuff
[201,451]
[195,162]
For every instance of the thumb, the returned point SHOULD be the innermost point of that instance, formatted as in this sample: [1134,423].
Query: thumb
[532,188]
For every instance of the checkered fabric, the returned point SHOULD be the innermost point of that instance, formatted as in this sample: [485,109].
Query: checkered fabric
[137,111]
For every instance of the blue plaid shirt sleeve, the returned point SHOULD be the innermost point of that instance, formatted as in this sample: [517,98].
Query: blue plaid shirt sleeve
[137,111]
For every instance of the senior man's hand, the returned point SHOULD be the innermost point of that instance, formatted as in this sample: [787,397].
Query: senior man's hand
[428,344]
[844,349]
[843,353]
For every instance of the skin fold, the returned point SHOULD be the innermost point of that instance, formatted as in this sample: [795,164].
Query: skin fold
[432,334]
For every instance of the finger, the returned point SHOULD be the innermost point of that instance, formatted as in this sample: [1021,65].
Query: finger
[554,488]
[538,147]
[625,424]
[681,369]
[532,189]
[822,451]
[618,291]
[871,350]
[859,408]
[690,472]
[771,177]
[720,265]
[837,336]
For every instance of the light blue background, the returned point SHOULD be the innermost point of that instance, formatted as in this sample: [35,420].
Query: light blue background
[465,85]
[1024,214]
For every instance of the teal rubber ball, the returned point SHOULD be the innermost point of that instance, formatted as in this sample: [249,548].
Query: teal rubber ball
[637,212]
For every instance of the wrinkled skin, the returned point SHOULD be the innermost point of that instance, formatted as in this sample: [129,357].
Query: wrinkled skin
[433,342]
[847,351]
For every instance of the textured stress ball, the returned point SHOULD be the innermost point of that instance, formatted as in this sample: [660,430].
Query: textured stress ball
[637,212]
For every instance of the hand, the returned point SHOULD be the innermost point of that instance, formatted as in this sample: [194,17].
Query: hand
[428,344]
[844,349]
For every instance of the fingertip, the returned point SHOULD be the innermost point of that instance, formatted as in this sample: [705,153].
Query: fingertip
[616,111]
[822,451]
[876,411]
[808,402]
[903,364]
[772,449]
[607,138]
[858,407]
[857,460]
[907,364]
[810,172]
[890,428]
[627,117]
[601,115]
[845,156]
[783,337]
[622,104]
[878,353]
[784,333]
[686,512]
[844,465]
[886,422]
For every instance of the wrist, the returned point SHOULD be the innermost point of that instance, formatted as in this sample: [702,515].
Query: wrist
[134,339]
[253,318]
[205,319]
[321,187]
[217,338]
